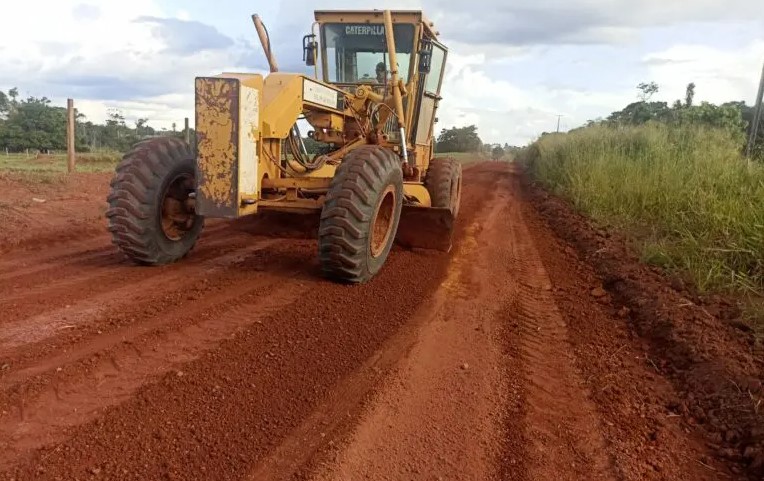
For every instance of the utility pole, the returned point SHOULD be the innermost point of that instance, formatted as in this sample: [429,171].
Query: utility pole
[70,135]
[558,123]
[187,133]
[756,118]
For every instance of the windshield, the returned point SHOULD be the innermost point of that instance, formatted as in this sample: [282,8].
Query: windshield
[357,53]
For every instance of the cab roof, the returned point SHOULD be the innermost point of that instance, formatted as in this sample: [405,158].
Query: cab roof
[375,16]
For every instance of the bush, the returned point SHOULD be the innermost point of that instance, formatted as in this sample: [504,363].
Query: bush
[685,194]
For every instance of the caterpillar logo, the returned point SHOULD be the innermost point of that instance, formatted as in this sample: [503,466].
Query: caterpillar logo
[364,30]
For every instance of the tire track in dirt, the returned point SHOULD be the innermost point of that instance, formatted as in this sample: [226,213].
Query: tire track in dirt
[435,415]
[31,329]
[97,284]
[242,396]
[118,372]
[234,286]
[20,263]
[441,414]
[561,427]
[493,362]
[651,432]
[297,454]
[49,394]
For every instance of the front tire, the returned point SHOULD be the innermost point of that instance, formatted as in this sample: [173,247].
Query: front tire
[151,214]
[361,214]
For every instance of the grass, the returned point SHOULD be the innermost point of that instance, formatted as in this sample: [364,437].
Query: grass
[51,169]
[464,158]
[56,163]
[685,195]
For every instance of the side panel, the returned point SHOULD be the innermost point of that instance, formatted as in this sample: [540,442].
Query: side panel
[217,120]
[228,139]
[249,119]
[282,104]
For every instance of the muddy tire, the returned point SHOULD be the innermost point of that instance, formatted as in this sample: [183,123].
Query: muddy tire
[150,216]
[444,183]
[361,214]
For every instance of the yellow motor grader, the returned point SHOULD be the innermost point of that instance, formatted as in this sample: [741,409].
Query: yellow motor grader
[371,107]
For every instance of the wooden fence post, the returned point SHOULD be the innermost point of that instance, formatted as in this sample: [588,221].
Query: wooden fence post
[70,159]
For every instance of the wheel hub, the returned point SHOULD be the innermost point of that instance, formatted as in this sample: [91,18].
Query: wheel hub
[382,223]
[177,216]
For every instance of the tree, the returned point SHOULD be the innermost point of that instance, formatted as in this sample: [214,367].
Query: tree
[5,104]
[689,95]
[727,117]
[647,90]
[459,139]
[497,153]
[140,125]
[640,112]
[735,116]
[35,123]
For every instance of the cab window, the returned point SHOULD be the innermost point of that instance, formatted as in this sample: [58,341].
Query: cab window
[357,53]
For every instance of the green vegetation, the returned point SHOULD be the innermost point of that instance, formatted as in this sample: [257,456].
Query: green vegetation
[34,124]
[464,158]
[465,140]
[459,139]
[677,183]
[86,162]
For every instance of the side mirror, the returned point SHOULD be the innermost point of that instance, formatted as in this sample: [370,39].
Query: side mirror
[309,47]
[425,57]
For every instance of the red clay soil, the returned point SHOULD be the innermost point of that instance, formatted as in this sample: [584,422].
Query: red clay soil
[696,343]
[62,208]
[526,353]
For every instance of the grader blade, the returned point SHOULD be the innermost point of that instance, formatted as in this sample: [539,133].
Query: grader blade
[426,228]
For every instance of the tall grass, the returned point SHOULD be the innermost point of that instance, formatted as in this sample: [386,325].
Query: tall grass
[684,193]
[104,161]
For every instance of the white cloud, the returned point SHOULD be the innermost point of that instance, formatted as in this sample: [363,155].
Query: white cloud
[719,75]
[112,55]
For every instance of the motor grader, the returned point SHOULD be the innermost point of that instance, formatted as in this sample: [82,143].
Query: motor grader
[370,106]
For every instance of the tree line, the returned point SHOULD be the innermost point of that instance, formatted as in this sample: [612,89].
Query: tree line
[466,139]
[34,123]
[735,116]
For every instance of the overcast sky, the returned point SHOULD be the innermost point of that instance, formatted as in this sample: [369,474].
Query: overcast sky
[514,65]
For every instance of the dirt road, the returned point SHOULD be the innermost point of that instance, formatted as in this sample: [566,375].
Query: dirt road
[514,357]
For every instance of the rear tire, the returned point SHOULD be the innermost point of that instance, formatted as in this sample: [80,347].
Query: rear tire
[361,214]
[151,216]
[444,183]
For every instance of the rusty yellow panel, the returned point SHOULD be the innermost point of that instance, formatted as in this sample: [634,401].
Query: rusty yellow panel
[286,96]
[282,103]
[228,144]
[325,120]
[216,100]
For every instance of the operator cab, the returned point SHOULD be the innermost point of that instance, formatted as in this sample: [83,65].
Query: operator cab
[351,49]
[357,53]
